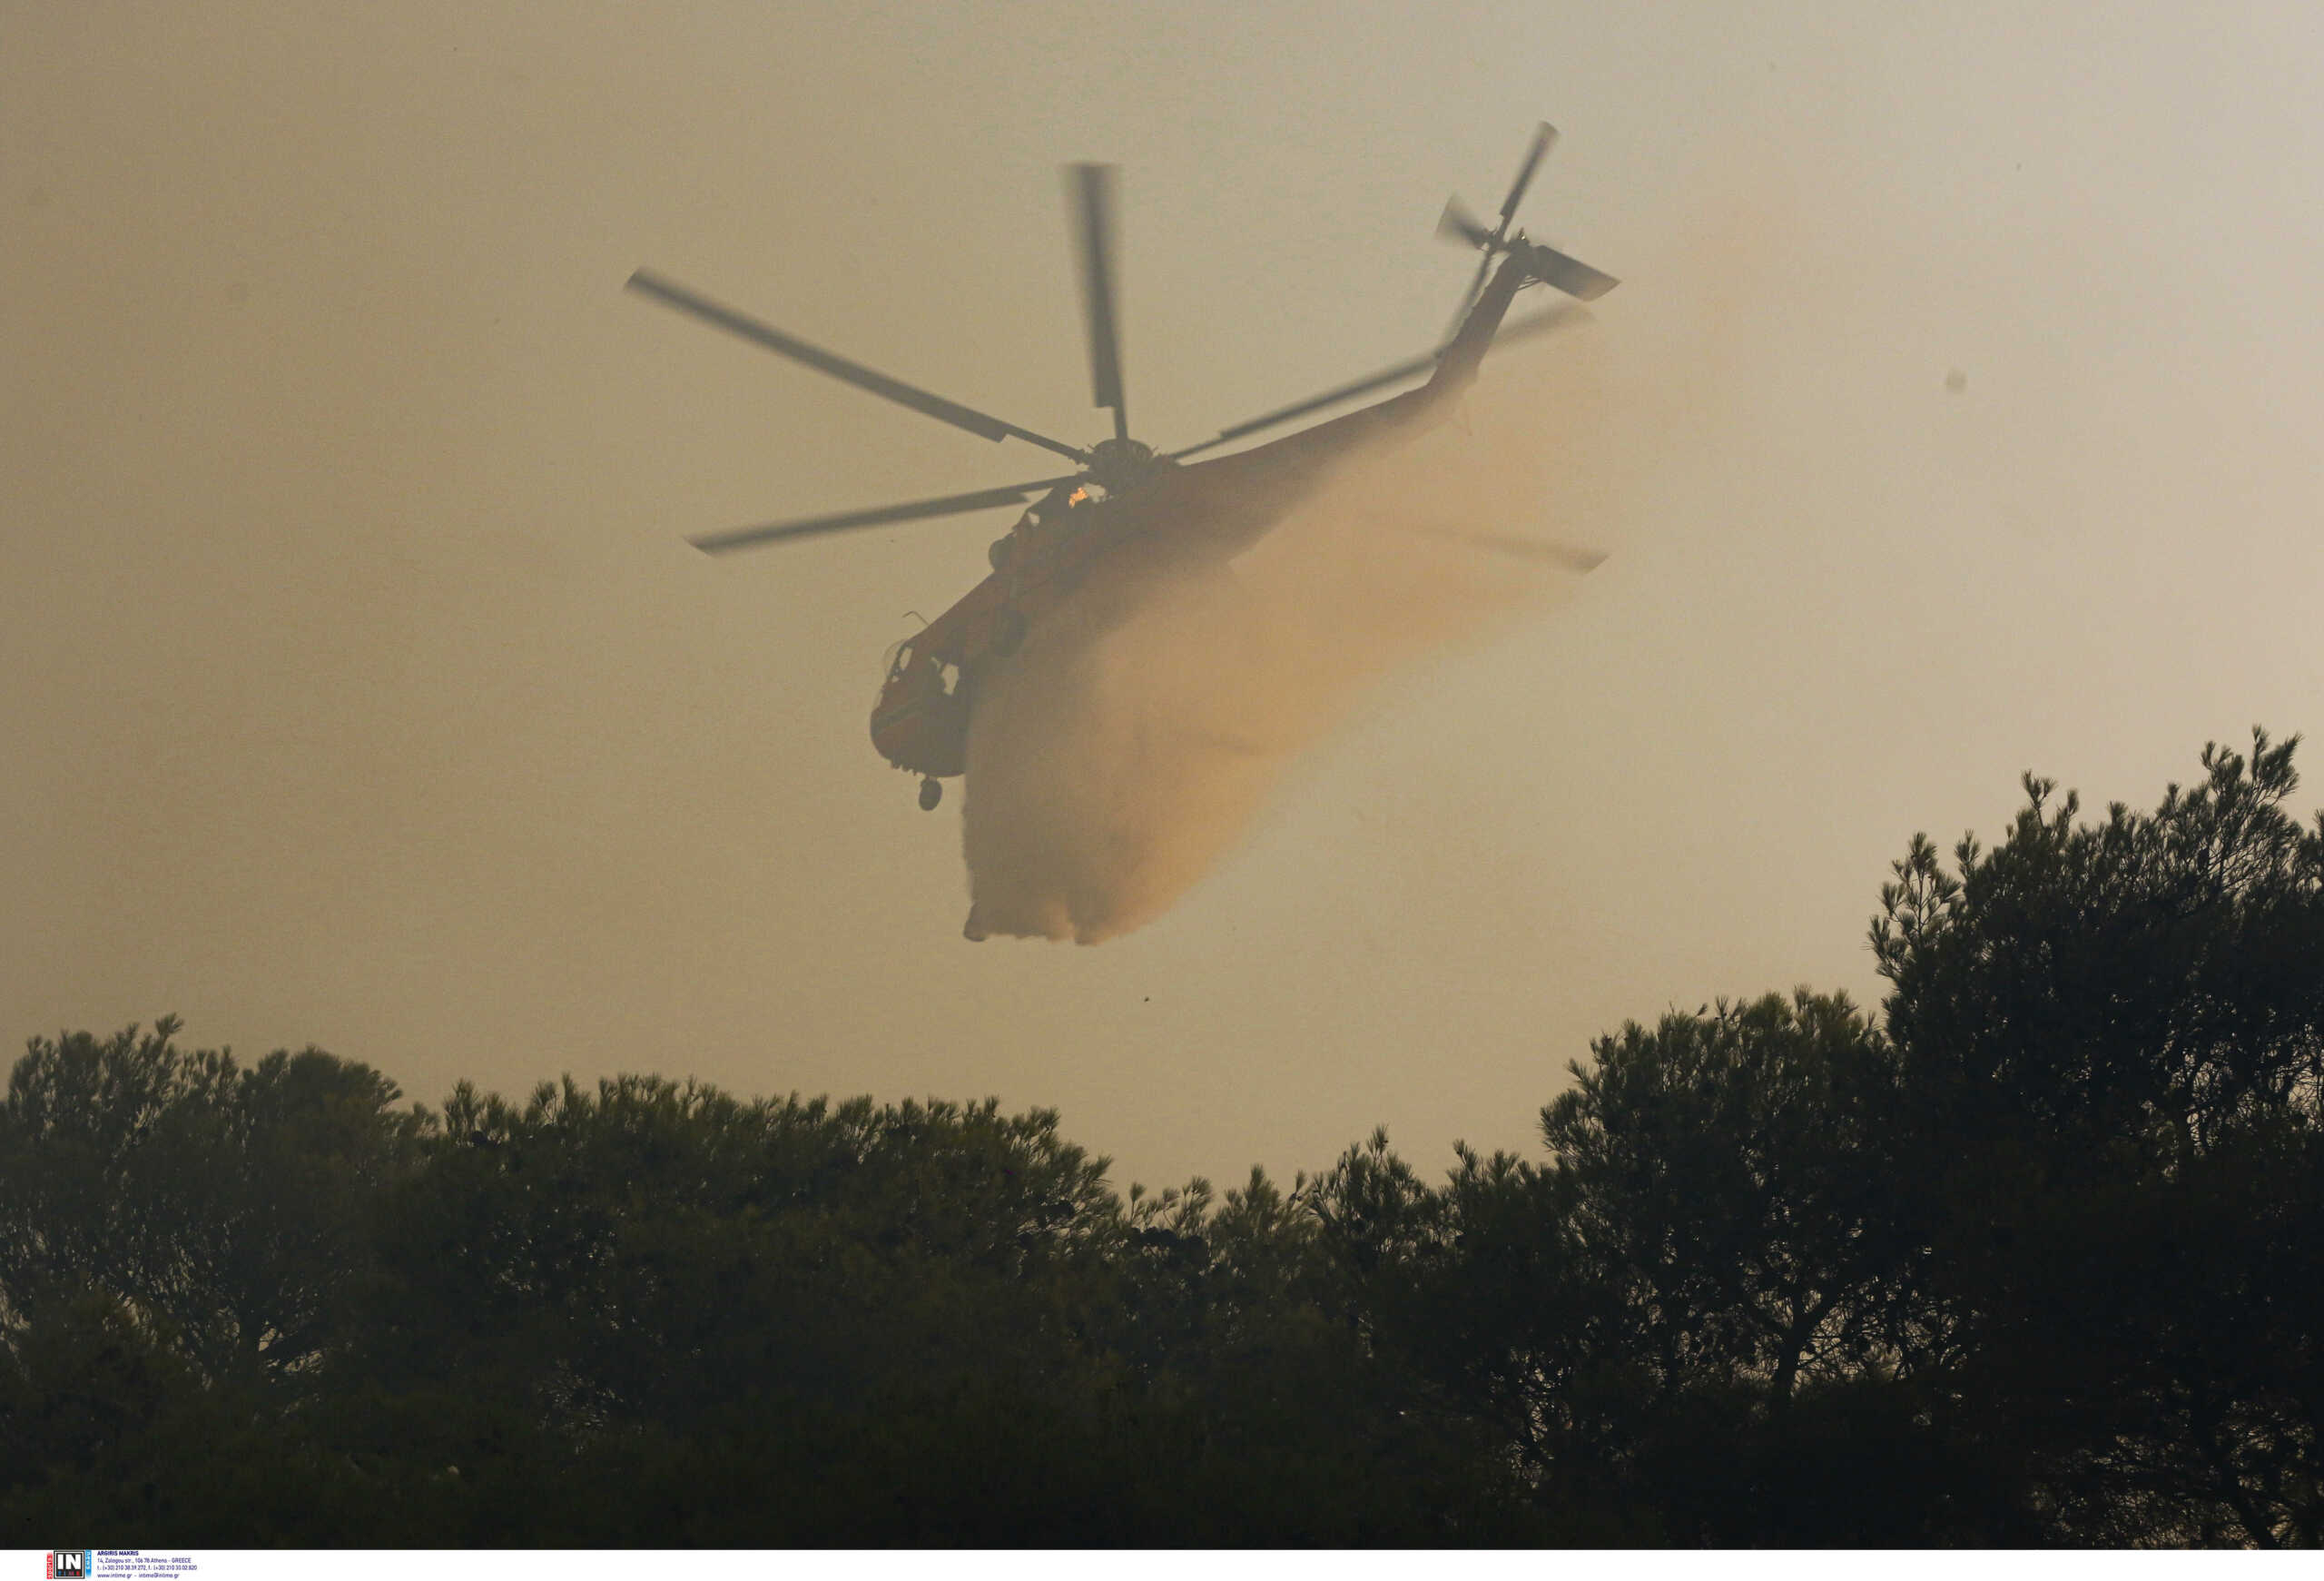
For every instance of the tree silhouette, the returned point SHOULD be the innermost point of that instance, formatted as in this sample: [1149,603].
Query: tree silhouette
[2031,1256]
[2113,1040]
[223,1205]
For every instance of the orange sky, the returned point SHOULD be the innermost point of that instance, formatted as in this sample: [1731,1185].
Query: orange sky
[358,688]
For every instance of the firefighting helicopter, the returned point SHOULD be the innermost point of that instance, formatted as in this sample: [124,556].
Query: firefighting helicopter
[1123,488]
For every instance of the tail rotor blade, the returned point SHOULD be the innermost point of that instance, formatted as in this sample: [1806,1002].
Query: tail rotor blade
[1543,135]
[1092,189]
[1458,225]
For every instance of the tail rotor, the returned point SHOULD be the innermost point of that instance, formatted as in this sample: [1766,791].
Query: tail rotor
[1547,264]
[1459,225]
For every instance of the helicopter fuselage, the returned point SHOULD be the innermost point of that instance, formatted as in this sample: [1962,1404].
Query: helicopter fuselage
[1220,506]
[921,721]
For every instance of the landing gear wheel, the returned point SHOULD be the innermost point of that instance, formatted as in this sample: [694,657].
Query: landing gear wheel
[931,791]
[1007,632]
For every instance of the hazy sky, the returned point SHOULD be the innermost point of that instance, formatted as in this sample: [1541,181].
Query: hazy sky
[357,688]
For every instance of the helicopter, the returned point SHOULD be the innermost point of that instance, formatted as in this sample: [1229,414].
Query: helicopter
[1124,489]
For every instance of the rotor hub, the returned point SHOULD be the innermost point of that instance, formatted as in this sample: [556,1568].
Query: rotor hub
[1118,466]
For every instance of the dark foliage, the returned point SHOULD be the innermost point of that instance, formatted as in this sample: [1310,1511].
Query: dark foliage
[2034,1255]
[2115,1042]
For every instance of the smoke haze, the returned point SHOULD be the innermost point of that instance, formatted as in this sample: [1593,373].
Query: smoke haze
[1147,721]
[361,687]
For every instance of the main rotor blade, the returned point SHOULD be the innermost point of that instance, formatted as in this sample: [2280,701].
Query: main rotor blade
[1560,316]
[1386,376]
[1518,329]
[1532,548]
[743,537]
[750,328]
[1469,297]
[1093,198]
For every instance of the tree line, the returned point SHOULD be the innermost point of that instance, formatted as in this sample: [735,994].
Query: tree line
[2032,1255]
